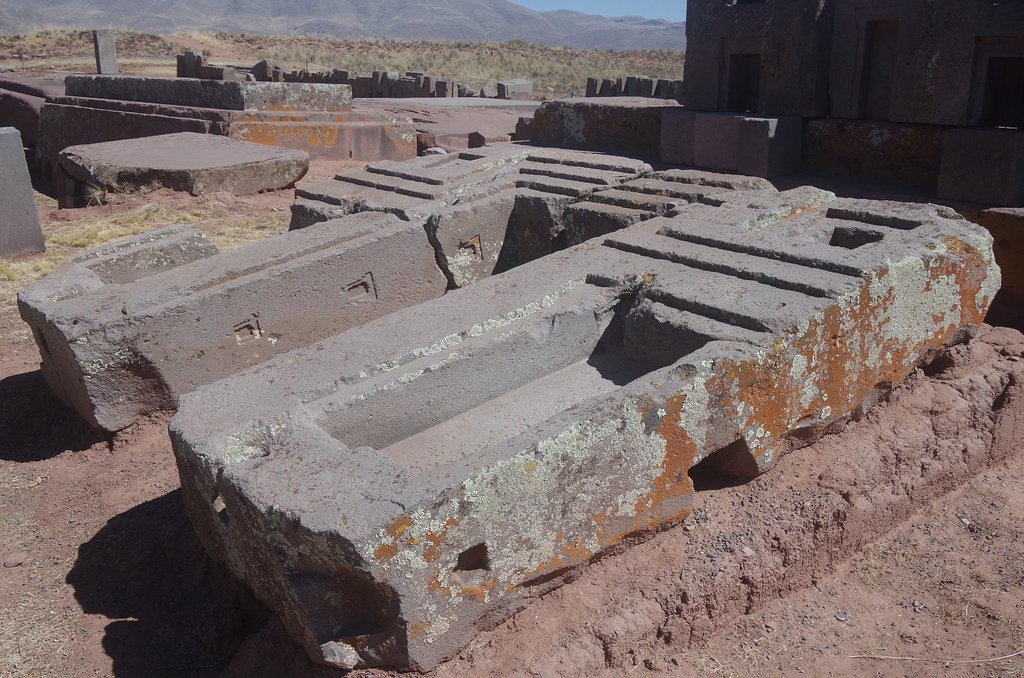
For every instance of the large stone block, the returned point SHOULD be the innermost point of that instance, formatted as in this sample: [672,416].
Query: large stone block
[19,222]
[875,151]
[758,58]
[983,166]
[677,136]
[763,147]
[396,488]
[195,163]
[515,89]
[341,135]
[945,63]
[628,126]
[231,96]
[126,329]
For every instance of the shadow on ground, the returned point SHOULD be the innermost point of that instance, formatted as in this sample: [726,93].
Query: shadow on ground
[34,425]
[173,611]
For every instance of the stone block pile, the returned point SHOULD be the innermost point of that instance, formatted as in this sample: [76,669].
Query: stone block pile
[636,86]
[380,84]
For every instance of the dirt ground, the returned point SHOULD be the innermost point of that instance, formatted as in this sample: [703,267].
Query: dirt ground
[880,541]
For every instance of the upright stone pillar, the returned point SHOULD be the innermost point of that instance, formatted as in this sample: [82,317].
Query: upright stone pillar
[106,51]
[19,223]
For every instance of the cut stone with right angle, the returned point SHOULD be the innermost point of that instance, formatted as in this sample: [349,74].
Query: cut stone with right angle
[394,489]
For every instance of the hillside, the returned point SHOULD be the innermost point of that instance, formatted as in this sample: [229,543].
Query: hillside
[491,20]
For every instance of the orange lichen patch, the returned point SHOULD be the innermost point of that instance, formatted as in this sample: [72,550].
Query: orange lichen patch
[395,530]
[385,552]
[311,136]
[436,539]
[680,450]
[478,592]
[418,629]
[398,527]
[573,553]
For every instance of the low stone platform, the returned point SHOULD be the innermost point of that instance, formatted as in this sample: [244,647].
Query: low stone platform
[393,489]
[275,114]
[218,94]
[190,162]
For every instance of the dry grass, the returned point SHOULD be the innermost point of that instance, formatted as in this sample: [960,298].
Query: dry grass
[227,226]
[555,71]
[64,43]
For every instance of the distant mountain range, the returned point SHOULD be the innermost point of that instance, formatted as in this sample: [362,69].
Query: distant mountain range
[495,20]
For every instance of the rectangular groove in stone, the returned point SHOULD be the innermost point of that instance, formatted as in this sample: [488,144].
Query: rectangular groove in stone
[578,174]
[392,184]
[716,330]
[626,197]
[762,252]
[776,274]
[872,218]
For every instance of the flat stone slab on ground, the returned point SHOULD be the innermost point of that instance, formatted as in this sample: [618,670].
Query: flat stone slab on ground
[187,161]
[19,222]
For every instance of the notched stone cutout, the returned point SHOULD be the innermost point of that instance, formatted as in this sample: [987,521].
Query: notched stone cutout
[248,331]
[853,238]
[473,562]
[362,288]
[730,466]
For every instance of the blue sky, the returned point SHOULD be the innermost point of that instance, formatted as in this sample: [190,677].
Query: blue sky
[652,9]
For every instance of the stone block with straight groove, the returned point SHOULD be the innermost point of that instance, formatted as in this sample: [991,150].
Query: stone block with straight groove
[406,484]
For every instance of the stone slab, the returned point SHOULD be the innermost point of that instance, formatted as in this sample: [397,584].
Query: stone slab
[190,162]
[619,125]
[20,232]
[224,95]
[21,100]
[983,166]
[399,487]
[451,127]
[341,135]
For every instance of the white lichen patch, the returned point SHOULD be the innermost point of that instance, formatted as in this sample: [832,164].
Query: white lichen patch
[916,300]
